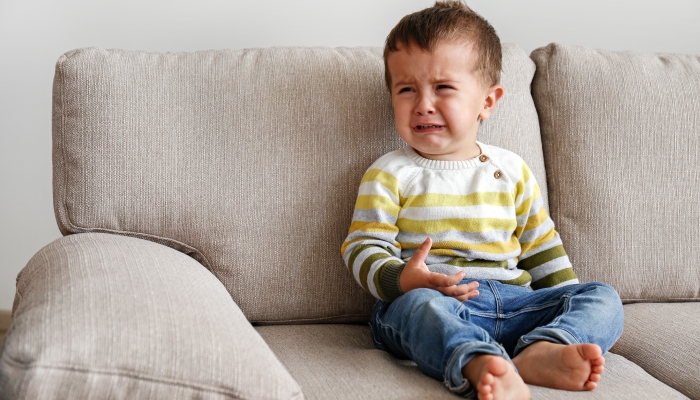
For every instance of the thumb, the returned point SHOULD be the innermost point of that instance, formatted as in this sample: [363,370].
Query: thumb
[422,253]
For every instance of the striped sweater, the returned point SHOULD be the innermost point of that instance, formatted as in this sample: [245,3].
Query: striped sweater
[485,216]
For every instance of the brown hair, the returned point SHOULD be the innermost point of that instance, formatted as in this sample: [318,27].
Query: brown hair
[449,20]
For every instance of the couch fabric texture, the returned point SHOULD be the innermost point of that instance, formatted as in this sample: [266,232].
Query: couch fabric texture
[202,192]
[248,160]
[341,359]
[621,140]
[108,316]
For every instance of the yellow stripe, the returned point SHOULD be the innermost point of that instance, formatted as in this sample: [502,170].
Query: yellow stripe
[532,222]
[526,173]
[457,224]
[527,246]
[347,243]
[493,247]
[372,201]
[472,199]
[388,180]
[536,220]
[443,252]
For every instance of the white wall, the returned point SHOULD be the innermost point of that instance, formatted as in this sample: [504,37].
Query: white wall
[34,33]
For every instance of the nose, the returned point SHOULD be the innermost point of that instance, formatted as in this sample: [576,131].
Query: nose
[424,106]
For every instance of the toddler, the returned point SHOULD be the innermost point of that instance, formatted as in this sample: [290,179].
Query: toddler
[451,236]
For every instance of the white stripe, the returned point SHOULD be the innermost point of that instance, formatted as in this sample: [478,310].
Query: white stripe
[550,267]
[566,283]
[458,183]
[491,273]
[373,270]
[348,251]
[360,259]
[445,212]
[377,189]
[469,255]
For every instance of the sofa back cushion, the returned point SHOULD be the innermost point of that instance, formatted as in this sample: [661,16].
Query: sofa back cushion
[247,160]
[621,138]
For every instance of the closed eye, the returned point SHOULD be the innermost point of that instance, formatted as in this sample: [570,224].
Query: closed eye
[405,89]
[444,87]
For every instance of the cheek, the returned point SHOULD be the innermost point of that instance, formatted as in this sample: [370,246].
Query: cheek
[402,113]
[458,115]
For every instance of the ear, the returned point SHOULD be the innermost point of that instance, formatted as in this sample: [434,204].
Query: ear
[494,94]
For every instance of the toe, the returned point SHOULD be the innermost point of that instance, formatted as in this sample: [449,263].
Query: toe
[598,361]
[591,352]
[486,380]
[497,366]
[483,388]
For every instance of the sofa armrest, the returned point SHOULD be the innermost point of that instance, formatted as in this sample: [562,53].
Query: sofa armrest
[106,316]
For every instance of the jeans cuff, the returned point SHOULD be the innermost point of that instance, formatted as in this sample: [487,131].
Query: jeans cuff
[554,335]
[460,357]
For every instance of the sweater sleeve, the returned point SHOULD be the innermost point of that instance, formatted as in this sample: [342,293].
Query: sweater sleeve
[371,252]
[542,252]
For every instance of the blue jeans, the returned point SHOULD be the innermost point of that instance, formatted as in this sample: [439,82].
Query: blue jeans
[441,334]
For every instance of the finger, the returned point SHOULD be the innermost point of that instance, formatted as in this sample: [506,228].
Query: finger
[468,296]
[461,292]
[437,280]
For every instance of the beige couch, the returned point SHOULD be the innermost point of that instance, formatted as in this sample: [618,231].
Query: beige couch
[204,198]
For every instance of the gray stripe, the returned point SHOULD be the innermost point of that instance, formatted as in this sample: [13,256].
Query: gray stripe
[478,273]
[536,205]
[373,215]
[532,234]
[470,255]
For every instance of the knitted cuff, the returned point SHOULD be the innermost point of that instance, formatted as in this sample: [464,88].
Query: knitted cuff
[389,281]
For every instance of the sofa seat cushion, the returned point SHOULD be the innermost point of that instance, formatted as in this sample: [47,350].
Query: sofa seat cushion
[341,362]
[621,139]
[104,316]
[247,160]
[664,339]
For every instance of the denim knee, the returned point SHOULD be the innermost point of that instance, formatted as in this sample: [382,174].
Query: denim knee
[613,305]
[606,309]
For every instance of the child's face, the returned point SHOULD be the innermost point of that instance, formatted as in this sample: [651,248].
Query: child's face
[438,100]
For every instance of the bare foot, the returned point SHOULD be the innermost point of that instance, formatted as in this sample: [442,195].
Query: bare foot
[558,366]
[495,379]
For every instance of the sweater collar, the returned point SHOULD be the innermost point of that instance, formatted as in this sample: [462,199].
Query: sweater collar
[461,164]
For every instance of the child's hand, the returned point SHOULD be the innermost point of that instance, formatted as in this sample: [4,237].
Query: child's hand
[416,275]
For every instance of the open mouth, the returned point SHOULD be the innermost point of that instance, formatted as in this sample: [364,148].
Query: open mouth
[422,127]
